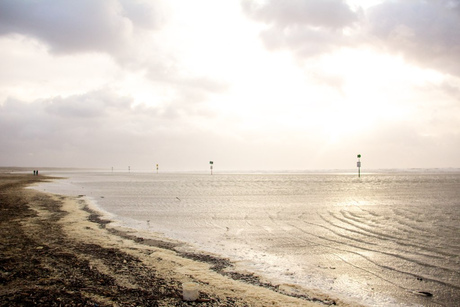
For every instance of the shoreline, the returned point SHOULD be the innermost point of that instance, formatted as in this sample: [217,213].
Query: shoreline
[65,253]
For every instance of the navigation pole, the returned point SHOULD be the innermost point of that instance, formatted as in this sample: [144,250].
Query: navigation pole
[359,165]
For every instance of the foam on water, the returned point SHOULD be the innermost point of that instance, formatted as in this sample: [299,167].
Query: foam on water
[380,239]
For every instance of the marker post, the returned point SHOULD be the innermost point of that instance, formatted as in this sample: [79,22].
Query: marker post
[359,165]
[211,163]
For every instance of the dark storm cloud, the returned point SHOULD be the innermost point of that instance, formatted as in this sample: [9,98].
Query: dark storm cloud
[425,32]
[75,26]
[307,27]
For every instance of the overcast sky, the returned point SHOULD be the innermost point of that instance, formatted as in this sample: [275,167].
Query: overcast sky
[251,84]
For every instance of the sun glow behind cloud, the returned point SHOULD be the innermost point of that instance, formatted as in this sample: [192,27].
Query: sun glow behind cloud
[271,92]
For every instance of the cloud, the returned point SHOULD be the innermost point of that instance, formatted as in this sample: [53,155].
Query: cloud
[329,14]
[63,130]
[55,120]
[424,32]
[123,29]
[77,26]
[102,129]
[89,105]
[127,30]
[307,27]
[98,129]
[144,14]
[102,83]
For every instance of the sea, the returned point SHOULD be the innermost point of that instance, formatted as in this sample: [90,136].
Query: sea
[387,238]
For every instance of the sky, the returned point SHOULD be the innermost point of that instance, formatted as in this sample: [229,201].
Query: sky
[250,84]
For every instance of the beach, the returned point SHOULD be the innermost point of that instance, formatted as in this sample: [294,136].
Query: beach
[55,251]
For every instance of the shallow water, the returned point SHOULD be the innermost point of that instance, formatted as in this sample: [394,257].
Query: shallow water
[382,239]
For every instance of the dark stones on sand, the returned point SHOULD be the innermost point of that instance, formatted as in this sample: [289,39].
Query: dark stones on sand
[424,293]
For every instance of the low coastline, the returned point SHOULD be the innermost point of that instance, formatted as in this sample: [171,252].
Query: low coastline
[56,251]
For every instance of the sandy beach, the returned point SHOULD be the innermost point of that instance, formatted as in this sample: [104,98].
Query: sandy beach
[55,252]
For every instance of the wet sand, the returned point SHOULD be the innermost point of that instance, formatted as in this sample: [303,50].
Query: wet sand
[54,251]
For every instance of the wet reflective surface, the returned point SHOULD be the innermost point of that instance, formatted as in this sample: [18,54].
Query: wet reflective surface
[381,239]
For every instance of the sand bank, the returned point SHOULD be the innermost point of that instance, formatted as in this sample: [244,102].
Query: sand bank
[55,251]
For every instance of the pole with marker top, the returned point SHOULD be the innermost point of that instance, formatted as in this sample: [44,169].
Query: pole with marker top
[359,165]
